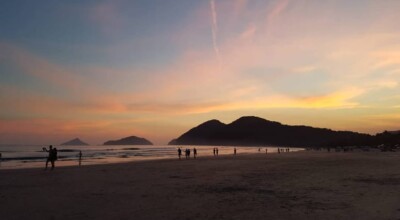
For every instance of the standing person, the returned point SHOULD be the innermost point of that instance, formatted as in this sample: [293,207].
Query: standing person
[214,151]
[266,150]
[51,157]
[186,153]
[80,157]
[279,150]
[194,153]
[179,153]
[234,151]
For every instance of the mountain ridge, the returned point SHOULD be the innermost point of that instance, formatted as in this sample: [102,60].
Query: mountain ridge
[75,142]
[131,140]
[252,130]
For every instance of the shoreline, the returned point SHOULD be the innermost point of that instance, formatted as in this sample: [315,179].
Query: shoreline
[296,185]
[153,160]
[66,161]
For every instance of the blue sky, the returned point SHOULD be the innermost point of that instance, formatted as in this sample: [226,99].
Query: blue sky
[107,69]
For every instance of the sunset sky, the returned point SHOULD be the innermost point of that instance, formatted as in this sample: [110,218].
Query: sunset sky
[102,70]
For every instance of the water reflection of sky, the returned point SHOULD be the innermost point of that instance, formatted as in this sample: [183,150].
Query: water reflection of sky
[32,156]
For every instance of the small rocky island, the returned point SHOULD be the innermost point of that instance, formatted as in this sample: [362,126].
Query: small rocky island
[132,140]
[75,142]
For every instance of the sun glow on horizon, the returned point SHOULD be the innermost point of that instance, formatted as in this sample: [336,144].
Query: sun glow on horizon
[109,69]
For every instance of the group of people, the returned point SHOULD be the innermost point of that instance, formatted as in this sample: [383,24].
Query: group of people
[52,157]
[281,150]
[215,151]
[187,153]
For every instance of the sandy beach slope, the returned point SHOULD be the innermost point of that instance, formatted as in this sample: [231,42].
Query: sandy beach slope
[302,185]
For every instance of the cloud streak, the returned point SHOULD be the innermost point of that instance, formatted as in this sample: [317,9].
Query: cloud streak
[214,30]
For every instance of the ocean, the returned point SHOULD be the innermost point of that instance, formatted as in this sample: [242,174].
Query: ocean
[32,156]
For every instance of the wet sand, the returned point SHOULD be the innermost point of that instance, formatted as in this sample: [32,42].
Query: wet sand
[301,185]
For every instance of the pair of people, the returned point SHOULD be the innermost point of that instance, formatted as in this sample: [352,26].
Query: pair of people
[52,157]
[215,151]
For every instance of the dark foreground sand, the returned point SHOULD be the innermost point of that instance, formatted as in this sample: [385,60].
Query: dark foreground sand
[303,185]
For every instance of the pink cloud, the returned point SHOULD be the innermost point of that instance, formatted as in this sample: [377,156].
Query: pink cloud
[39,67]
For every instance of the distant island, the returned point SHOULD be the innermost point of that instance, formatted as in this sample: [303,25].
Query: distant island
[75,142]
[132,140]
[255,131]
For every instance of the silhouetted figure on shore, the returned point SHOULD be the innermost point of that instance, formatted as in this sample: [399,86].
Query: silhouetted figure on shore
[52,157]
[279,150]
[234,151]
[214,151]
[266,150]
[187,153]
[194,153]
[179,153]
[80,157]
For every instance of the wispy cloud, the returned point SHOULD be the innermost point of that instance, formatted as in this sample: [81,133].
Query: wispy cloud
[214,29]
[276,10]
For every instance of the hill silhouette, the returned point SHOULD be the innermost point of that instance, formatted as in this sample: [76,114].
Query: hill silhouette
[132,140]
[75,142]
[252,131]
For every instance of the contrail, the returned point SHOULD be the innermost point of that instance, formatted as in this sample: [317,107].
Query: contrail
[214,29]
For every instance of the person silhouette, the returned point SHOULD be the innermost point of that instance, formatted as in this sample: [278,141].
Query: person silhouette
[194,153]
[80,157]
[179,153]
[234,151]
[216,150]
[52,157]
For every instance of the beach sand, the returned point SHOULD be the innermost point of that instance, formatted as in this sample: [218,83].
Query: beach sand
[301,185]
